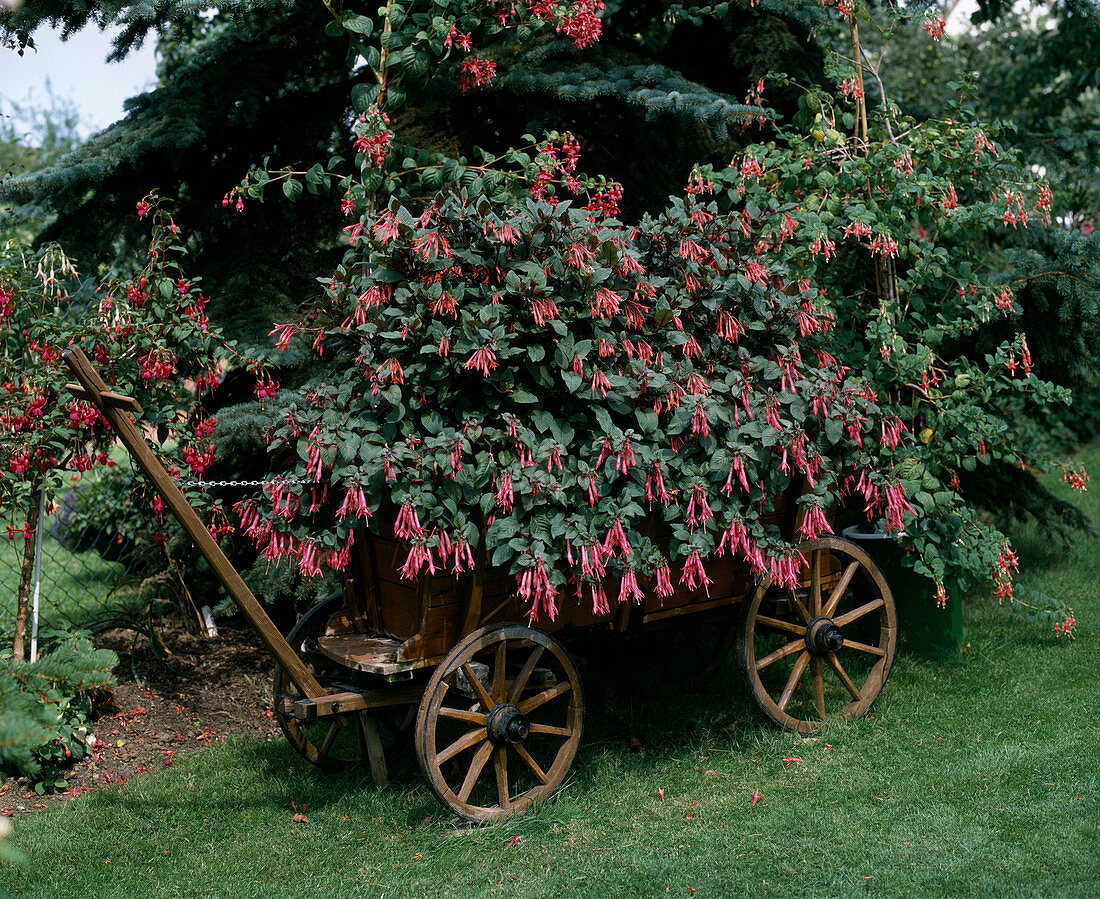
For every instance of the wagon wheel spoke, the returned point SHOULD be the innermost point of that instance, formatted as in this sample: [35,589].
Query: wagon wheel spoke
[792,681]
[522,752]
[499,662]
[477,765]
[520,683]
[463,715]
[479,687]
[863,647]
[500,768]
[818,678]
[815,583]
[865,609]
[315,740]
[838,590]
[539,699]
[801,606]
[551,730]
[468,739]
[330,738]
[778,624]
[781,653]
[834,663]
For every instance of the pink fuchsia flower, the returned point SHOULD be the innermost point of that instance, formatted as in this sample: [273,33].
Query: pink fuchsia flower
[474,73]
[408,524]
[734,538]
[592,561]
[616,540]
[338,559]
[483,360]
[784,569]
[698,509]
[629,589]
[309,559]
[693,576]
[1077,478]
[814,523]
[655,486]
[504,493]
[625,459]
[729,328]
[600,383]
[700,427]
[535,588]
[897,507]
[605,303]
[935,25]
[419,556]
[664,581]
[600,605]
[355,504]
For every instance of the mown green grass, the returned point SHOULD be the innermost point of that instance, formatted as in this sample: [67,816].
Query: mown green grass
[976,775]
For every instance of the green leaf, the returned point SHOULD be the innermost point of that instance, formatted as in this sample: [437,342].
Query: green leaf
[292,189]
[358,24]
[604,419]
[363,96]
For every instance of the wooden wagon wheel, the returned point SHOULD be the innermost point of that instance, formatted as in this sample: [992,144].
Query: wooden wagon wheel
[825,648]
[499,722]
[340,742]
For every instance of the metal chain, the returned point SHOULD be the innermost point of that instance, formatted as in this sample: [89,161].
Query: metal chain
[242,483]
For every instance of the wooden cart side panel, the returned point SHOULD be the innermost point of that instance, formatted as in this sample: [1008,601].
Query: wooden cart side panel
[429,616]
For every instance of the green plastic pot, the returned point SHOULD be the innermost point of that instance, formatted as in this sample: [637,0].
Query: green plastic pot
[924,629]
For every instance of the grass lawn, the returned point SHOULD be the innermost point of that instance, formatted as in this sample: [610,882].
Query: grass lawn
[977,775]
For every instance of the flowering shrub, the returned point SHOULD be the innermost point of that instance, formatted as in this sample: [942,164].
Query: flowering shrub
[508,370]
[538,380]
[145,334]
[894,232]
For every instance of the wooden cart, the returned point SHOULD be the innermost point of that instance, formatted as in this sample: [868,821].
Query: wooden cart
[494,700]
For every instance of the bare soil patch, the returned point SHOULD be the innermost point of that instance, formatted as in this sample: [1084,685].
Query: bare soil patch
[210,688]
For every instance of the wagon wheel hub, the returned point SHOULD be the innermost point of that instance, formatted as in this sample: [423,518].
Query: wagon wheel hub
[508,725]
[823,636]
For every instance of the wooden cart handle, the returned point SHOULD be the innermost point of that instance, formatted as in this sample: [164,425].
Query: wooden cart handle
[114,407]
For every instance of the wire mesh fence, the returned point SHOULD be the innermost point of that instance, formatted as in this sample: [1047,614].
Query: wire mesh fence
[82,577]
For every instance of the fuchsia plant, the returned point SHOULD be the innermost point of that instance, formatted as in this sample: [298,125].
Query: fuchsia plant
[504,368]
[146,334]
[573,397]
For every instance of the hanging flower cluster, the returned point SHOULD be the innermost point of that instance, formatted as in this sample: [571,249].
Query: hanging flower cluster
[604,409]
[144,334]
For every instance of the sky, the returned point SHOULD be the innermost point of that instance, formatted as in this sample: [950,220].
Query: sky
[76,70]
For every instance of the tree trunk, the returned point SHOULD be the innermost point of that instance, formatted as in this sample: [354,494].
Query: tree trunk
[26,578]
